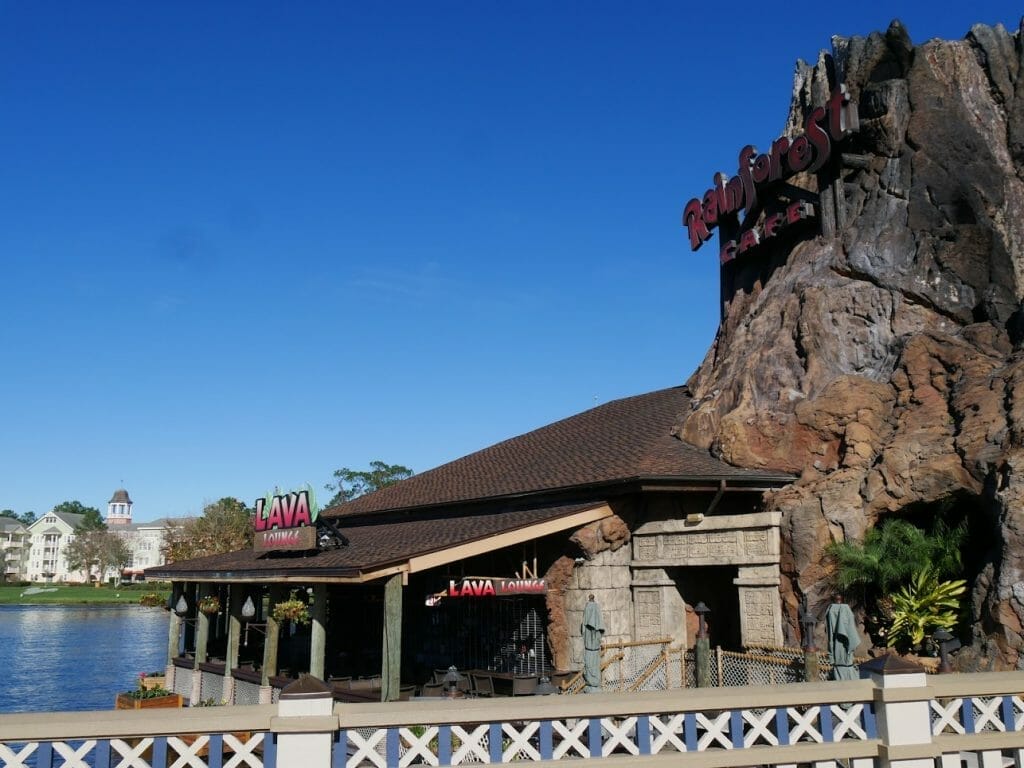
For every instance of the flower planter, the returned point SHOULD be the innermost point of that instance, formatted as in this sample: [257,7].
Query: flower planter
[127,701]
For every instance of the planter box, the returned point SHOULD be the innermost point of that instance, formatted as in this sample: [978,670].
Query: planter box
[127,701]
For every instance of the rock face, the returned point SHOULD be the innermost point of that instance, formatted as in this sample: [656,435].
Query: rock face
[882,362]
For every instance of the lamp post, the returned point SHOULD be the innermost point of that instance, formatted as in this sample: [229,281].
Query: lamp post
[947,644]
[812,667]
[452,678]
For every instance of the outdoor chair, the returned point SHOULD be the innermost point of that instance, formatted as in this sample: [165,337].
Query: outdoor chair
[343,682]
[439,675]
[432,689]
[524,685]
[483,685]
[406,692]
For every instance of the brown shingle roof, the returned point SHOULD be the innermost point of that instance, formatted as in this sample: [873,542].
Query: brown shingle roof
[373,543]
[628,439]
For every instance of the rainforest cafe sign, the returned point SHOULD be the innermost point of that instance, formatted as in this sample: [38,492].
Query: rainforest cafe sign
[496,587]
[787,156]
[285,522]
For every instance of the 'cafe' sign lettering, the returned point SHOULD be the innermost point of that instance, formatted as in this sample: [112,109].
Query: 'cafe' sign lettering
[807,152]
[285,521]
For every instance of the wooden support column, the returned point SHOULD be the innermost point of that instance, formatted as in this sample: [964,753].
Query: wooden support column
[235,596]
[191,592]
[318,632]
[202,626]
[277,594]
[174,626]
[173,635]
[391,671]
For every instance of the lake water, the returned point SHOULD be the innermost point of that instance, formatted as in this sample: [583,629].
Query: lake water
[69,657]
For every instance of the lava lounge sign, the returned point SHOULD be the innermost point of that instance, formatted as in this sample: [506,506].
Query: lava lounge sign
[806,153]
[285,522]
[470,587]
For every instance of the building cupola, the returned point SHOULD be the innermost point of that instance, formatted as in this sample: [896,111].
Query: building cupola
[119,508]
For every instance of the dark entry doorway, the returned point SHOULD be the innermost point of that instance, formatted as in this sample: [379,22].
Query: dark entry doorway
[713,585]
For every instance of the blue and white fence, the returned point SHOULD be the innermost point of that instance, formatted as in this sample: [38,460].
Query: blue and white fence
[902,719]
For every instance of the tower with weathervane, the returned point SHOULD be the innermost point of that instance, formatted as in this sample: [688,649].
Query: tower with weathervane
[119,509]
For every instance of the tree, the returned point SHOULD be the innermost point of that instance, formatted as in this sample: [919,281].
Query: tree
[353,483]
[97,551]
[92,520]
[225,526]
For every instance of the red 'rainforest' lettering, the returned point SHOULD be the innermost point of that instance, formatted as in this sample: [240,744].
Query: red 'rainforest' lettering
[807,152]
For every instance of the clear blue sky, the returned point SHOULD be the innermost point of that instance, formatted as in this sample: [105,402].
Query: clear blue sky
[245,244]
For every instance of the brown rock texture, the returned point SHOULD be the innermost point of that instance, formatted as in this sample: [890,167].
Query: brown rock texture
[881,362]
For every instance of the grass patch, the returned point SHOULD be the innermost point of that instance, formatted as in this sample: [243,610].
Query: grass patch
[71,595]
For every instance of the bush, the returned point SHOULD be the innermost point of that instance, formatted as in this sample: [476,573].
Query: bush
[153,600]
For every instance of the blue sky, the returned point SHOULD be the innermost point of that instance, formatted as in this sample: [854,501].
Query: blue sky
[245,244]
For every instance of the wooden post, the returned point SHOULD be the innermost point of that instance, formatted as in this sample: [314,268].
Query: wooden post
[318,632]
[391,671]
[173,636]
[812,667]
[703,653]
[234,638]
[191,592]
[202,626]
[277,594]
[174,626]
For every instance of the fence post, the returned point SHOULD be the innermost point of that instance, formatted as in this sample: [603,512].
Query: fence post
[702,650]
[304,727]
[903,716]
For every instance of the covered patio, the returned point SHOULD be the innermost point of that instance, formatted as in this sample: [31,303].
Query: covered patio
[608,502]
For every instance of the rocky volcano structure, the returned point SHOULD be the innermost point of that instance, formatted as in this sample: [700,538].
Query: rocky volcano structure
[882,361]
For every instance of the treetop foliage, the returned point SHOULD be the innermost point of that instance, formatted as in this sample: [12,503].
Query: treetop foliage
[92,521]
[353,483]
[25,517]
[225,526]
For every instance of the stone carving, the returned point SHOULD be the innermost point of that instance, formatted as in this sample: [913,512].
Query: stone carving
[758,615]
[646,548]
[755,542]
[648,612]
[728,546]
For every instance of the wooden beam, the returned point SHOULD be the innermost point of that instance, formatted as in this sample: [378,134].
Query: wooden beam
[508,539]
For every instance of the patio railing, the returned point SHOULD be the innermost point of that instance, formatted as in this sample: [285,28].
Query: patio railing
[894,718]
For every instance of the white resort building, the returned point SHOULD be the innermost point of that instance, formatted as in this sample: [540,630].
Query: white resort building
[44,542]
